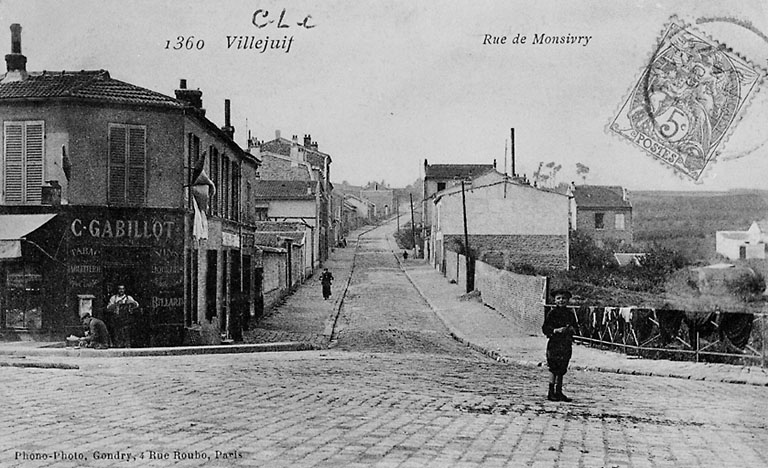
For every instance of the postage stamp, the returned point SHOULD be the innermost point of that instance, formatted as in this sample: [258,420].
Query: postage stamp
[687,99]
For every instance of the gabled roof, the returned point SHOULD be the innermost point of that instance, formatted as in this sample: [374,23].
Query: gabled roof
[93,85]
[600,196]
[284,190]
[282,146]
[455,171]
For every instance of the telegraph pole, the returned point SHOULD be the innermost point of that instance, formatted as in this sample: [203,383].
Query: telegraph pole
[413,227]
[397,209]
[466,238]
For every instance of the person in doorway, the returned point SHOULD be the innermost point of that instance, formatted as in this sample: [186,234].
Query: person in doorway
[96,334]
[559,326]
[118,318]
[326,279]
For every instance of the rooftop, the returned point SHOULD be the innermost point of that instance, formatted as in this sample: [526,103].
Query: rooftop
[455,171]
[94,85]
[600,196]
[284,190]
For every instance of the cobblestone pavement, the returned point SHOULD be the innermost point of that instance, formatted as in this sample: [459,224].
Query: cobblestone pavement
[394,391]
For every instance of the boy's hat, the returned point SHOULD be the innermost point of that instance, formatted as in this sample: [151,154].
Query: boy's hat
[561,292]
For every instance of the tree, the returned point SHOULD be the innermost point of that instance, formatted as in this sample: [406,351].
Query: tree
[582,171]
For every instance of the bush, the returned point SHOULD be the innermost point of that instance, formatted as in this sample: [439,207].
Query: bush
[747,286]
[586,255]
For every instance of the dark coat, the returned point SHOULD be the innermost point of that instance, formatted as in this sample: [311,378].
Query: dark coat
[98,336]
[560,345]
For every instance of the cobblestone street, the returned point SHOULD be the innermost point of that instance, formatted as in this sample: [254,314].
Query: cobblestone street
[394,390]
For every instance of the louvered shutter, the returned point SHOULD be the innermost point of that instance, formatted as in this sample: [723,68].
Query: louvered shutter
[137,165]
[24,161]
[14,162]
[34,162]
[117,170]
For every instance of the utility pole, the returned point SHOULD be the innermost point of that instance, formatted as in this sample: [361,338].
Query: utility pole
[413,227]
[466,238]
[397,209]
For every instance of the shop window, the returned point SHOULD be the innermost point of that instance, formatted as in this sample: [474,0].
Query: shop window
[23,152]
[599,220]
[23,306]
[127,164]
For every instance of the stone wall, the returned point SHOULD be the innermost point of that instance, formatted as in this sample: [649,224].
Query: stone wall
[517,297]
[543,252]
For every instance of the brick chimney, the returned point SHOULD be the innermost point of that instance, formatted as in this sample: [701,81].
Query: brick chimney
[228,128]
[15,61]
[192,97]
[307,140]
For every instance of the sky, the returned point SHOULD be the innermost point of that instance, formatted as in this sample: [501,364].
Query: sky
[382,86]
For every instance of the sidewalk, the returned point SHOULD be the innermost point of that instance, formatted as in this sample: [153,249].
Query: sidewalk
[300,325]
[486,330]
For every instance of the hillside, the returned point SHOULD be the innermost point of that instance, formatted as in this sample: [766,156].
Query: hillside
[687,221]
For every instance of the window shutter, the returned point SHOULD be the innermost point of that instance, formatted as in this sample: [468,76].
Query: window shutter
[34,162]
[117,170]
[137,165]
[14,162]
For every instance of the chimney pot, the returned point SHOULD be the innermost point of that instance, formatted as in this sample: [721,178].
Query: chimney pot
[192,97]
[277,134]
[15,38]
[228,128]
[15,62]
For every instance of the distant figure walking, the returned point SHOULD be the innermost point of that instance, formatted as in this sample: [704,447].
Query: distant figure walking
[326,279]
[405,255]
[559,326]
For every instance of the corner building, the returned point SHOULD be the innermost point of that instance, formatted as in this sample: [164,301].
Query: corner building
[95,191]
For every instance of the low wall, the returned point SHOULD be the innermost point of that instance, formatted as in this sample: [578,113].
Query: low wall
[517,297]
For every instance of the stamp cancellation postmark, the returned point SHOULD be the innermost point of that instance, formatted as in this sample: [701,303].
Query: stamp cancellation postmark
[687,100]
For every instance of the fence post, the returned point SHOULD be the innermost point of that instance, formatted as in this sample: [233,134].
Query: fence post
[762,332]
[697,345]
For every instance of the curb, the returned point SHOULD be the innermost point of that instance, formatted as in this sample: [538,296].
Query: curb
[174,351]
[455,334]
[40,365]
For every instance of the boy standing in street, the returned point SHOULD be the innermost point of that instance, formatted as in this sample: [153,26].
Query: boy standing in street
[559,326]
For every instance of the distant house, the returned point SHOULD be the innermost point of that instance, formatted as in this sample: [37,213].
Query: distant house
[602,211]
[294,201]
[509,222]
[382,198]
[743,244]
[291,160]
[438,177]
[286,261]
[363,208]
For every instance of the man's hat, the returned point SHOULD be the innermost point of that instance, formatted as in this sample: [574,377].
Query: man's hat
[561,292]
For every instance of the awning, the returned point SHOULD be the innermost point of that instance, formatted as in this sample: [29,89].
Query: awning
[13,228]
